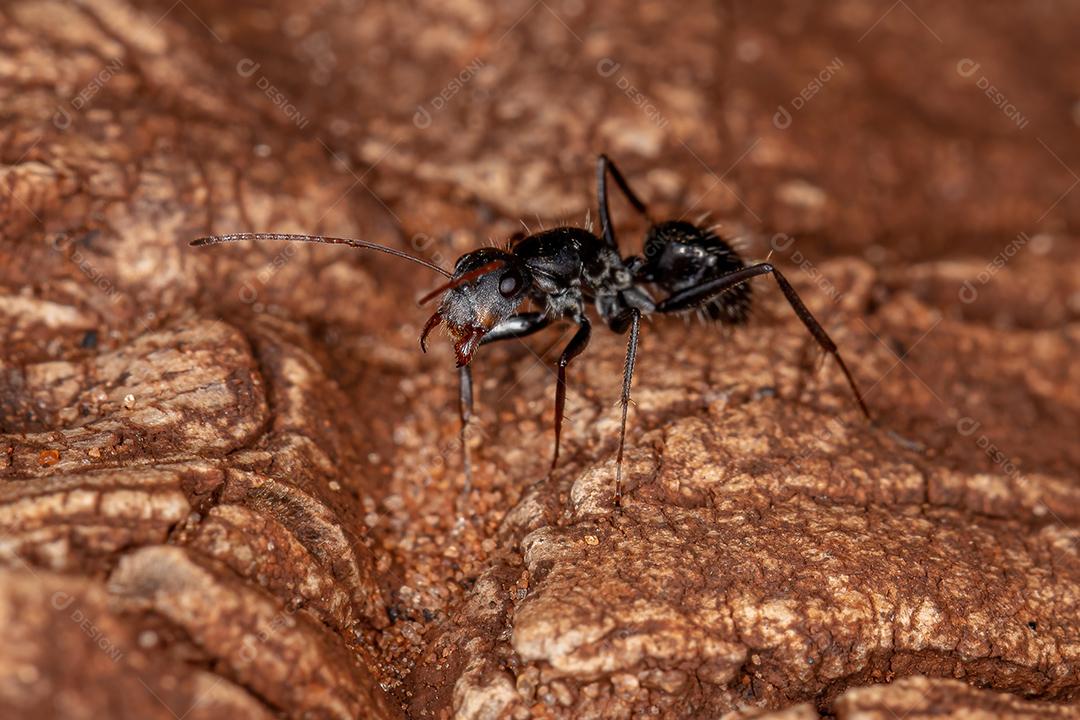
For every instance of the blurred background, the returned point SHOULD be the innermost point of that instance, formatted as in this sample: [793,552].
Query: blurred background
[897,133]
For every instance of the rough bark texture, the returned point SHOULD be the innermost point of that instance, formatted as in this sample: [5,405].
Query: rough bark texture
[231,483]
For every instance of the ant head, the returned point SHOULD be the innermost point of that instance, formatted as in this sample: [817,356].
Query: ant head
[487,287]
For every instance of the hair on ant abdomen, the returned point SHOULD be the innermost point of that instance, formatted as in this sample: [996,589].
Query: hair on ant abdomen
[680,255]
[685,267]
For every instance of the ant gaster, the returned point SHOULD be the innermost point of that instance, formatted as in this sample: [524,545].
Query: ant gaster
[564,269]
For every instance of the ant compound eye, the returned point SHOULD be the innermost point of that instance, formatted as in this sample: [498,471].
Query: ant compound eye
[510,284]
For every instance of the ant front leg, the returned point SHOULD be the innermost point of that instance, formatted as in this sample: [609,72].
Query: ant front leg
[516,326]
[604,166]
[465,408]
[701,294]
[573,348]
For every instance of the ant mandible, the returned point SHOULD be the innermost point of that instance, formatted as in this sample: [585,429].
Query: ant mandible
[562,269]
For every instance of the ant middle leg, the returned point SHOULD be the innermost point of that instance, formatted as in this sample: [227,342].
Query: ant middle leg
[702,293]
[633,319]
[604,165]
[571,351]
[525,324]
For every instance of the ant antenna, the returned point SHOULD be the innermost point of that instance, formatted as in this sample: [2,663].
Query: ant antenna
[237,237]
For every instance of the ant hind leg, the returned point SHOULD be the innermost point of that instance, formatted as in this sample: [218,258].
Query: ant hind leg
[700,294]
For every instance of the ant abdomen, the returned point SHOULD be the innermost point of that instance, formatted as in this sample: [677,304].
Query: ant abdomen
[681,255]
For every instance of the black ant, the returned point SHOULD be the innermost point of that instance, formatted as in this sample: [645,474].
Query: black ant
[562,269]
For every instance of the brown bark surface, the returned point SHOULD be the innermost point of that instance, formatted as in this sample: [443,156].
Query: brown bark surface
[230,482]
